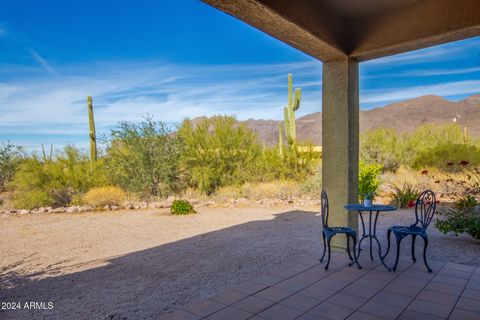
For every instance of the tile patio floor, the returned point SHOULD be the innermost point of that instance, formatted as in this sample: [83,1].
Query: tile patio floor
[303,290]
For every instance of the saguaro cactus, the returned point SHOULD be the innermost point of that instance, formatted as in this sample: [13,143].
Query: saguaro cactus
[289,112]
[93,138]
[280,139]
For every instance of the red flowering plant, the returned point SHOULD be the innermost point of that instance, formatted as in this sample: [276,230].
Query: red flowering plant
[469,181]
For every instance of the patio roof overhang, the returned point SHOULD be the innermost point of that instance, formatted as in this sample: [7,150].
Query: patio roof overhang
[342,33]
[361,29]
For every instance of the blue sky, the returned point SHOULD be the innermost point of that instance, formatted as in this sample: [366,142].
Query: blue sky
[177,59]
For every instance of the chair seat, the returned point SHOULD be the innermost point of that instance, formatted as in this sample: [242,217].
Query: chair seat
[340,230]
[408,229]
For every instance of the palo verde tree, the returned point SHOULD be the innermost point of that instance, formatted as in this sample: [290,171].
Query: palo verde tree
[144,157]
[218,152]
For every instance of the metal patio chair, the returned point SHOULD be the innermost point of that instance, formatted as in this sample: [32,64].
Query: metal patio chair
[329,232]
[425,208]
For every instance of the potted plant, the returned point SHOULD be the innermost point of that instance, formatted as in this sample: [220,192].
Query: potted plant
[368,182]
[368,199]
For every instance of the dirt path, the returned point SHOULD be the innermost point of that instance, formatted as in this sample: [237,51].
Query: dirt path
[140,264]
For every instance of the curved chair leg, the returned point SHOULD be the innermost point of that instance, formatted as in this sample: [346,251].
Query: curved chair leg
[348,246]
[414,236]
[324,247]
[399,240]
[425,239]
[354,237]
[329,252]
[389,232]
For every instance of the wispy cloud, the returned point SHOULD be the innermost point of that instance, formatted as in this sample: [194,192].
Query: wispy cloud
[43,62]
[127,91]
[447,89]
[3,32]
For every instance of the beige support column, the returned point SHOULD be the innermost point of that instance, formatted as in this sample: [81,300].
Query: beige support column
[340,141]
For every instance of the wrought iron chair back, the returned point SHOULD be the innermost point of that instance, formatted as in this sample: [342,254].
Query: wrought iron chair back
[325,209]
[329,232]
[425,207]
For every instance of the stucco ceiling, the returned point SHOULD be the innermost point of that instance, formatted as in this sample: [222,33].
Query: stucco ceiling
[359,29]
[358,9]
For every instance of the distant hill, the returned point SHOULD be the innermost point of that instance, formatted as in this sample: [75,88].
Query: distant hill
[403,116]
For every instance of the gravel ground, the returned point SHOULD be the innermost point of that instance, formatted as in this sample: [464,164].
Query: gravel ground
[139,265]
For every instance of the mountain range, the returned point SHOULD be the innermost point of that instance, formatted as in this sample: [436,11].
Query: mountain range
[402,116]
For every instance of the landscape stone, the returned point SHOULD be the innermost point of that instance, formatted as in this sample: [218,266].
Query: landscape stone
[242,201]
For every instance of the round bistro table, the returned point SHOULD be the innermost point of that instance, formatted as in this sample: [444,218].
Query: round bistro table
[372,232]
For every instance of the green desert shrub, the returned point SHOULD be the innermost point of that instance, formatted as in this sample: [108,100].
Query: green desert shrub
[313,185]
[380,146]
[144,158]
[105,196]
[460,221]
[443,154]
[467,202]
[218,152]
[10,159]
[368,181]
[405,196]
[296,164]
[55,182]
[430,145]
[181,207]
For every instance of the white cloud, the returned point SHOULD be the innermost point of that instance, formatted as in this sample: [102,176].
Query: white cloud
[43,62]
[447,89]
[122,91]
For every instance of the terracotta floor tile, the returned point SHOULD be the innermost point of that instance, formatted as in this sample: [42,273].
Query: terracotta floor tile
[318,271]
[346,300]
[299,302]
[273,294]
[455,274]
[331,311]
[310,316]
[228,296]
[450,280]
[461,267]
[333,284]
[358,315]
[253,304]
[393,299]
[280,312]
[473,285]
[267,280]
[418,274]
[403,290]
[204,307]
[469,304]
[471,294]
[360,291]
[382,275]
[414,315]
[460,314]
[291,285]
[445,288]
[410,282]
[250,287]
[180,315]
[372,283]
[317,292]
[429,307]
[230,313]
[381,310]
[438,297]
